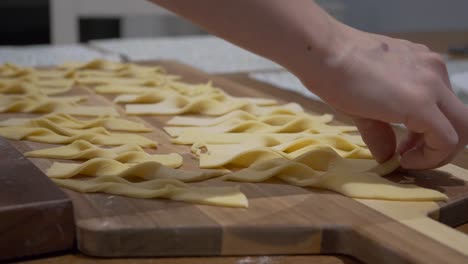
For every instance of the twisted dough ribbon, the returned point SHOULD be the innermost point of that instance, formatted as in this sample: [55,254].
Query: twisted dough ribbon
[83,150]
[326,169]
[66,120]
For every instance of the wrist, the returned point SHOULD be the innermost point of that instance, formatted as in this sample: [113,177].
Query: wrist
[323,57]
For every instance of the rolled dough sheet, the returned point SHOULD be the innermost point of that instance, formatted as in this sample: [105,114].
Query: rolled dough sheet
[65,120]
[240,116]
[326,169]
[177,105]
[83,150]
[266,148]
[235,138]
[98,136]
[294,125]
[159,188]
[43,104]
[146,170]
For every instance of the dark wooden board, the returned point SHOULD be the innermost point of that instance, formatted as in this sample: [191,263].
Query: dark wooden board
[36,217]
[281,219]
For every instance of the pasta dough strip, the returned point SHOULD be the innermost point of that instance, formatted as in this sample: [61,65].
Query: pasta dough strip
[159,188]
[18,88]
[175,87]
[94,135]
[126,89]
[158,96]
[65,120]
[265,148]
[235,138]
[147,170]
[240,115]
[296,125]
[83,150]
[35,86]
[43,104]
[176,105]
[88,110]
[36,103]
[325,169]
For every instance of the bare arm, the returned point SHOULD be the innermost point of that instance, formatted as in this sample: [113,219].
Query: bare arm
[375,79]
[294,33]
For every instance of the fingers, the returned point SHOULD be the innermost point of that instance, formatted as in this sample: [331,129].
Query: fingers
[379,137]
[457,113]
[411,140]
[440,139]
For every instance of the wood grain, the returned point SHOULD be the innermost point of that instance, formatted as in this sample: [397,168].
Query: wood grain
[281,219]
[316,259]
[36,217]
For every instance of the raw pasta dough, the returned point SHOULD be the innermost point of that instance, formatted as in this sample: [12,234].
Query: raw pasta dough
[65,120]
[145,180]
[173,87]
[36,103]
[159,188]
[43,104]
[29,88]
[265,148]
[51,133]
[306,124]
[324,168]
[234,138]
[176,105]
[146,170]
[83,150]
[239,115]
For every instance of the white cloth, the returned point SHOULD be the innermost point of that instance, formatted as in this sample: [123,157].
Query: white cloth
[46,55]
[208,53]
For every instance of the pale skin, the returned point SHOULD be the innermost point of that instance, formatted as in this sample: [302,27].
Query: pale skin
[375,79]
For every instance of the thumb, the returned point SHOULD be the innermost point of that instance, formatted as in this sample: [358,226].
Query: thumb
[379,137]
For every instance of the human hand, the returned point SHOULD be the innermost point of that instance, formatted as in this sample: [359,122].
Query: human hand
[380,80]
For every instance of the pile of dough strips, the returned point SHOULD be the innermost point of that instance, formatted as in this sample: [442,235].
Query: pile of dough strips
[239,139]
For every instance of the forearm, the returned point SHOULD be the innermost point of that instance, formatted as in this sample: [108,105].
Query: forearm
[296,34]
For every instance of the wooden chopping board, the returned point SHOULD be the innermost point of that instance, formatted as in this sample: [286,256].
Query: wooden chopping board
[36,217]
[281,219]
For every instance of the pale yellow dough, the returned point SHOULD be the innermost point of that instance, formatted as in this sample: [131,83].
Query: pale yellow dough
[119,81]
[29,88]
[83,150]
[294,125]
[51,133]
[176,105]
[158,96]
[88,110]
[159,188]
[239,115]
[126,89]
[177,88]
[36,103]
[148,179]
[145,170]
[325,169]
[266,148]
[235,138]
[32,85]
[65,120]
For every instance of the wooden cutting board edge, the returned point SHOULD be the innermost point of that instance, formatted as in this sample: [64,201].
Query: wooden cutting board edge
[350,240]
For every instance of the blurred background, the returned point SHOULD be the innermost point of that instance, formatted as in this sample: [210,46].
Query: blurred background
[69,21]
[47,32]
